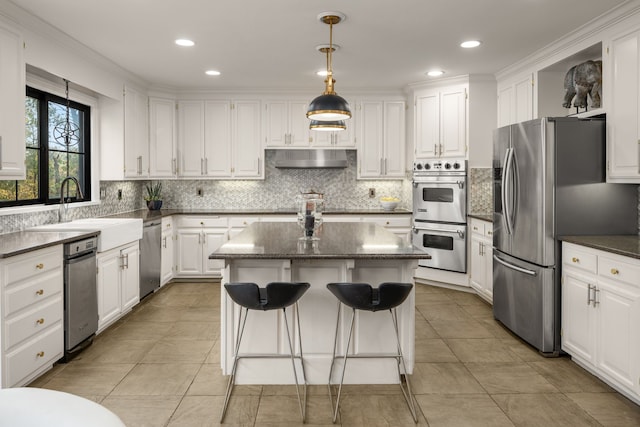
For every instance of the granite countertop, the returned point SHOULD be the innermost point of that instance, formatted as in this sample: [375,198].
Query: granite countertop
[482,216]
[280,240]
[147,215]
[12,244]
[626,245]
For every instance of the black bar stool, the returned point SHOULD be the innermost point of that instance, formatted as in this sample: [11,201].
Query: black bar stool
[361,296]
[276,295]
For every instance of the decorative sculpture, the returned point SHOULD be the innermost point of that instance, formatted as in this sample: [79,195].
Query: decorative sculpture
[582,80]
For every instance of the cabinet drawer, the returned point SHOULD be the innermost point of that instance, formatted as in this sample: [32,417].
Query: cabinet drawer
[32,322]
[243,221]
[477,226]
[203,221]
[488,230]
[32,292]
[574,256]
[32,264]
[613,268]
[389,221]
[167,223]
[45,349]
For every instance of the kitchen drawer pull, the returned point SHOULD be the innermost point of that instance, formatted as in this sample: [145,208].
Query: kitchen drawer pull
[40,292]
[490,233]
[615,271]
[40,266]
[575,260]
[40,321]
[40,354]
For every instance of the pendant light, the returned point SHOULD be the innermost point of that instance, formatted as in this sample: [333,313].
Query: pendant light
[329,106]
[328,126]
[66,133]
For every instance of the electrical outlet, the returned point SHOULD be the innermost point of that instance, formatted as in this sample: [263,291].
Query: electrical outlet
[103,192]
[119,194]
[372,193]
[199,191]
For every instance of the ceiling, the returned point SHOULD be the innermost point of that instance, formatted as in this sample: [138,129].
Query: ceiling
[271,44]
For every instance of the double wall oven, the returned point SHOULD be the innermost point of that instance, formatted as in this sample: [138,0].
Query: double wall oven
[440,213]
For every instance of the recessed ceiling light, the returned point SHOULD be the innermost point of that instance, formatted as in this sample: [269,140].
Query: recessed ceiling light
[212,73]
[435,73]
[470,43]
[184,42]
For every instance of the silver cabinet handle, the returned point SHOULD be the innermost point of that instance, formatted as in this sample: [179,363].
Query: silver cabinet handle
[589,288]
[259,165]
[596,294]
[174,166]
[206,166]
[435,149]
[164,242]
[201,166]
[139,165]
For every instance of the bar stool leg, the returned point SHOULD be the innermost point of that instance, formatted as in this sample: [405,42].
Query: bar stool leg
[232,377]
[293,364]
[344,366]
[408,395]
[304,373]
[333,357]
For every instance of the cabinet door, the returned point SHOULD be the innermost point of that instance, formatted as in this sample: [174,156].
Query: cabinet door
[453,122]
[478,266]
[108,287]
[578,316]
[618,311]
[130,277]
[276,124]
[166,257]
[487,255]
[162,136]
[523,102]
[136,134]
[12,107]
[427,124]
[298,124]
[371,140]
[191,138]
[623,113]
[213,239]
[217,138]
[247,154]
[505,106]
[189,257]
[394,139]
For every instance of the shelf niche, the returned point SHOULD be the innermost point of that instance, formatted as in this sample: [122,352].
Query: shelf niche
[551,86]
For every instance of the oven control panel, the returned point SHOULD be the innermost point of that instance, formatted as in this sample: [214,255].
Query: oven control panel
[440,165]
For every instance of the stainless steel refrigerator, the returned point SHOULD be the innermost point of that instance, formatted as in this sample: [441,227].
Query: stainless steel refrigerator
[549,181]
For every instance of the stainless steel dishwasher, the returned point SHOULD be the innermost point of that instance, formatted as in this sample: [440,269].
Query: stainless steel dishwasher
[150,253]
[80,295]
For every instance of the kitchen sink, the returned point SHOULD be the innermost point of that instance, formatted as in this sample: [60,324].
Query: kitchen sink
[114,232]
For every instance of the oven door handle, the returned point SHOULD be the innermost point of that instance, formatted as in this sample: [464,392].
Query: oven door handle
[460,234]
[459,183]
[515,267]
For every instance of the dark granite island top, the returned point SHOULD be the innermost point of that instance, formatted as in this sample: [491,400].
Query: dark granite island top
[280,240]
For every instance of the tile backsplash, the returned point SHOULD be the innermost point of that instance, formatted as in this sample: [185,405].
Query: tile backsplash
[481,191]
[278,190]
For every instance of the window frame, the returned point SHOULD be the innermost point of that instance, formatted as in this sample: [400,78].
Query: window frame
[85,169]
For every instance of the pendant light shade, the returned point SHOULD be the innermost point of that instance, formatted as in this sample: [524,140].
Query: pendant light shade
[328,126]
[329,106]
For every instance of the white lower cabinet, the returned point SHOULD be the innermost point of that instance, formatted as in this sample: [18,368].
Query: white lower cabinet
[601,314]
[166,251]
[118,282]
[482,258]
[31,320]
[197,238]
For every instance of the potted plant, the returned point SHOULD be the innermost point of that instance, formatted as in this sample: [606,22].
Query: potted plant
[154,195]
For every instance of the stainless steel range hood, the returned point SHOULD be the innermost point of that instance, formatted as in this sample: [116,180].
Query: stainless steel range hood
[298,159]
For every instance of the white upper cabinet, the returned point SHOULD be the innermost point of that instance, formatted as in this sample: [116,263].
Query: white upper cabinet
[136,134]
[247,152]
[622,91]
[204,138]
[162,138]
[381,141]
[286,124]
[515,100]
[12,107]
[220,139]
[441,122]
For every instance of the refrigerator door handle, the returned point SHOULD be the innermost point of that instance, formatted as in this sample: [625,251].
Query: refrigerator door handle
[507,202]
[515,267]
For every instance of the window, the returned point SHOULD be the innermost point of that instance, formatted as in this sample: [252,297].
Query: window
[50,155]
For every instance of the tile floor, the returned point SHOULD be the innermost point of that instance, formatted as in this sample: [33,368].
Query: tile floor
[159,366]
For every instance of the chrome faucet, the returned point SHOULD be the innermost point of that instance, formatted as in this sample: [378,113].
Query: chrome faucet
[62,211]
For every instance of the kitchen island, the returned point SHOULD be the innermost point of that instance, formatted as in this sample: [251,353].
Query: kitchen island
[344,252]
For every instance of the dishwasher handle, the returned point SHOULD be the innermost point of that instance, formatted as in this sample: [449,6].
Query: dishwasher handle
[80,258]
[151,224]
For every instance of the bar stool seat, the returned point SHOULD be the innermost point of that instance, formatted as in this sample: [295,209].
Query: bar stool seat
[274,296]
[362,296]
